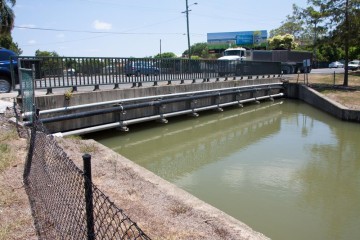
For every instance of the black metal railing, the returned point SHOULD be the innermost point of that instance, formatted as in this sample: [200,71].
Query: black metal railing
[64,72]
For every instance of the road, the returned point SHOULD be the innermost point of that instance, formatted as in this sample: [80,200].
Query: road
[327,70]
[11,95]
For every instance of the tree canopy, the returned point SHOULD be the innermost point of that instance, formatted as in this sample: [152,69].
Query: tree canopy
[330,28]
[199,50]
[39,53]
[283,42]
[342,18]
[7,16]
[166,55]
[6,41]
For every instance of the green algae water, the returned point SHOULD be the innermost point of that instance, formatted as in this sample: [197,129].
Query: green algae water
[284,168]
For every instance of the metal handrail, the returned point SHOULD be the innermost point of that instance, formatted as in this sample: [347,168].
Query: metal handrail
[74,72]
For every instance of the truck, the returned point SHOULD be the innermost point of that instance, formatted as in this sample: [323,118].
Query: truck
[5,70]
[291,61]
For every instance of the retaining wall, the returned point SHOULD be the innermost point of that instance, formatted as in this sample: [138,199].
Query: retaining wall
[318,100]
[58,101]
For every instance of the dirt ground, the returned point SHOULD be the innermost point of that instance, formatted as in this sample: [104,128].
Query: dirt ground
[159,208]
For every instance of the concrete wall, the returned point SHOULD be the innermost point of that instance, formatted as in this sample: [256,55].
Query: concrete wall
[58,101]
[318,100]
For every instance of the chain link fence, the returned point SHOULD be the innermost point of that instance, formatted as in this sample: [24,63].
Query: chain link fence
[64,202]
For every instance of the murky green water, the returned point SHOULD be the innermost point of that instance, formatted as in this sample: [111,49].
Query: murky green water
[284,168]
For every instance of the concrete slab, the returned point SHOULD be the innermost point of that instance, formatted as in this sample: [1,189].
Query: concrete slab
[4,105]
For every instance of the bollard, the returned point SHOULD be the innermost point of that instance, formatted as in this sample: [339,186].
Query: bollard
[88,197]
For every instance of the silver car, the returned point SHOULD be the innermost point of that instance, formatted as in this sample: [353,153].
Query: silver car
[336,64]
[354,65]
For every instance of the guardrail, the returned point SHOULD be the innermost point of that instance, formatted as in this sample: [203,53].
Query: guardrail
[64,72]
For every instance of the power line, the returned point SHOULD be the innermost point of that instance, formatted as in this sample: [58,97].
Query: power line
[93,32]
[62,42]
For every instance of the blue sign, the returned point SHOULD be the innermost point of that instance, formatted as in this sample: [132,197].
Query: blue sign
[243,38]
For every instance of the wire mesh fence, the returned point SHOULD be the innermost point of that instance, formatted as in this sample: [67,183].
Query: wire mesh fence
[59,193]
[27,89]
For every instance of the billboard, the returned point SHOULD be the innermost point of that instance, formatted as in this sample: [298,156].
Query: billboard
[224,40]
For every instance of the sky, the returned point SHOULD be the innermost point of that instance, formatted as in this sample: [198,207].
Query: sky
[136,28]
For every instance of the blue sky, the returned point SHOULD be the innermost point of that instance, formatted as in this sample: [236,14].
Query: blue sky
[119,28]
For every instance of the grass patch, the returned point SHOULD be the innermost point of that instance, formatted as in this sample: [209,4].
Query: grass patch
[328,79]
[10,230]
[331,85]
[8,136]
[5,156]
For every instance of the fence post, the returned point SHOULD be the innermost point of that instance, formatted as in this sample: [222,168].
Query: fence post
[88,197]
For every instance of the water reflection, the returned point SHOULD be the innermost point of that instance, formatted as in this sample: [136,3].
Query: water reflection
[184,148]
[285,168]
[336,165]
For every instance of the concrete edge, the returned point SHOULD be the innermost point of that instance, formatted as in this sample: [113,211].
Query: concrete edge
[320,101]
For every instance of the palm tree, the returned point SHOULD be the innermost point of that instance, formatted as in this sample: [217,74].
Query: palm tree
[7,16]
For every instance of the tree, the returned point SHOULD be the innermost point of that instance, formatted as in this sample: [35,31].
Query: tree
[313,18]
[293,25]
[6,41]
[52,66]
[39,53]
[199,49]
[283,42]
[343,18]
[166,55]
[7,16]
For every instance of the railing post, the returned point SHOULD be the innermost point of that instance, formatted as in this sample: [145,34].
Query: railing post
[88,197]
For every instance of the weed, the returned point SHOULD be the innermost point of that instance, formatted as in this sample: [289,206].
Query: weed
[68,94]
[221,232]
[77,139]
[179,208]
[88,148]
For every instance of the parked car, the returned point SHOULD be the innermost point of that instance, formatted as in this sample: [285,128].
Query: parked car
[354,65]
[69,72]
[140,67]
[111,69]
[5,71]
[336,64]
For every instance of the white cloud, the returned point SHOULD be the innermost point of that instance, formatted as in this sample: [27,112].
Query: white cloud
[99,25]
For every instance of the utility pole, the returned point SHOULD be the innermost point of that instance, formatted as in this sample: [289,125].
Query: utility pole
[160,48]
[187,26]
[188,31]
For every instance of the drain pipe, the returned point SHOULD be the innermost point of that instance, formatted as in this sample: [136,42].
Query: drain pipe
[157,117]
